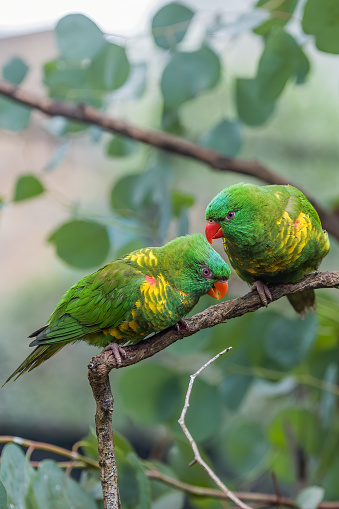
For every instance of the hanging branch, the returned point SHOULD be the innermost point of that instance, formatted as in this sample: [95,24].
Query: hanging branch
[80,112]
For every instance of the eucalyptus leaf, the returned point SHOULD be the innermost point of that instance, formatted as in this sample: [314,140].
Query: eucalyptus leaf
[81,243]
[15,70]
[252,107]
[170,24]
[280,14]
[134,486]
[3,496]
[119,146]
[16,475]
[310,497]
[109,69]
[78,37]
[13,116]
[321,19]
[225,138]
[188,74]
[26,187]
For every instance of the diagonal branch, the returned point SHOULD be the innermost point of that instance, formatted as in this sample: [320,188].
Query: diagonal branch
[80,112]
[212,316]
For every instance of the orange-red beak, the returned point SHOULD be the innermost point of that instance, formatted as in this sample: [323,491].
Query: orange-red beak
[212,230]
[219,289]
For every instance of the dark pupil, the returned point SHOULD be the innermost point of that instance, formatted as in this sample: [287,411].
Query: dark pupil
[230,214]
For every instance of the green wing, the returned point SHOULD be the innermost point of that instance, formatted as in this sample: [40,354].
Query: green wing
[97,302]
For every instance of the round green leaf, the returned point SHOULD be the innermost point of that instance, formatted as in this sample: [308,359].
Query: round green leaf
[134,486]
[290,340]
[119,146]
[170,24]
[13,116]
[109,69]
[188,74]
[51,488]
[252,108]
[285,10]
[150,393]
[301,424]
[122,195]
[78,37]
[16,474]
[15,70]
[27,186]
[3,497]
[246,446]
[81,243]
[310,497]
[321,19]
[224,137]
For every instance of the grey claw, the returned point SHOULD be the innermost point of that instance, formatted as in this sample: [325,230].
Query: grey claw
[263,292]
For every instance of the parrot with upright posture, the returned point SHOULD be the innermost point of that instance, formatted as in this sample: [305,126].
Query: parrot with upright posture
[271,234]
[143,292]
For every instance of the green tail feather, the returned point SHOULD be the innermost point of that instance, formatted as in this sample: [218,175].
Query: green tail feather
[303,301]
[37,357]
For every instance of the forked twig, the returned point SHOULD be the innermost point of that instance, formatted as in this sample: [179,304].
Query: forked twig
[197,456]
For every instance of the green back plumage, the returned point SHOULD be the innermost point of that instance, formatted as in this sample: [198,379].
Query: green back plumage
[276,235]
[130,298]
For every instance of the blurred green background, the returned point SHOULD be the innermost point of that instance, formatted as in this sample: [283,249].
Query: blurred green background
[257,82]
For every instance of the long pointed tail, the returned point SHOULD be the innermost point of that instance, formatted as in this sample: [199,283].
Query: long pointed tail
[39,355]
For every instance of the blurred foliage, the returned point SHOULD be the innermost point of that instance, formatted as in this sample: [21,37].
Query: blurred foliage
[270,406]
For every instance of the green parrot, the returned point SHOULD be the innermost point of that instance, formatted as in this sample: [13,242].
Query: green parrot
[143,292]
[271,234]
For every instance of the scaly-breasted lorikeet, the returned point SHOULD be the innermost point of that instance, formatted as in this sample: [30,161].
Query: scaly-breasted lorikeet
[271,234]
[143,292]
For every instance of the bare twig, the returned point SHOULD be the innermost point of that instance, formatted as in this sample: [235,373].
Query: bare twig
[197,455]
[199,491]
[164,141]
[99,381]
[32,444]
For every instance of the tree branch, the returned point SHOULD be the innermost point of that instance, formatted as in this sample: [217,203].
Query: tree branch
[99,382]
[164,141]
[212,316]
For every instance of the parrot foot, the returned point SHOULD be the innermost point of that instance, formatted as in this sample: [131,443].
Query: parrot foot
[263,292]
[181,326]
[117,352]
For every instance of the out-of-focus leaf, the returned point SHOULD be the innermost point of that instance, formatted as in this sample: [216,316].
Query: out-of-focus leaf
[81,243]
[204,416]
[321,19]
[188,74]
[253,109]
[15,70]
[249,20]
[180,201]
[78,37]
[224,137]
[16,475]
[174,500]
[299,425]
[328,399]
[233,389]
[281,60]
[280,14]
[27,186]
[109,70]
[310,497]
[119,146]
[290,340]
[150,393]
[134,486]
[51,487]
[170,24]
[3,497]
[180,456]
[57,156]
[171,122]
[13,116]
[245,446]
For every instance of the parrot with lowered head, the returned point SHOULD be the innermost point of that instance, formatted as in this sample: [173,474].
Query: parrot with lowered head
[142,292]
[271,234]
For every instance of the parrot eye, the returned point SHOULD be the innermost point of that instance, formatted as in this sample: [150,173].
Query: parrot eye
[230,215]
[206,272]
